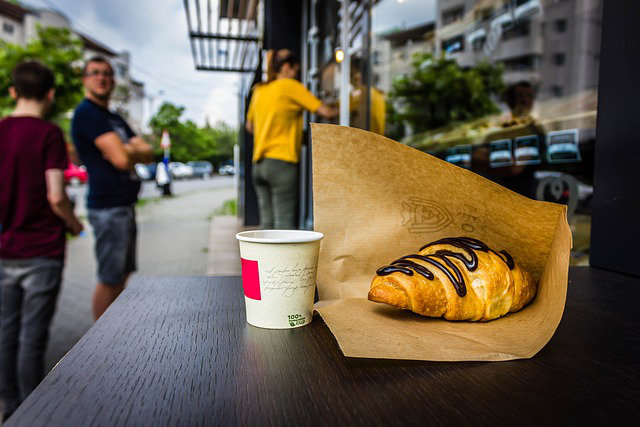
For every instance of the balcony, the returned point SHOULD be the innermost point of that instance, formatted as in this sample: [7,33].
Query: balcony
[520,46]
[527,9]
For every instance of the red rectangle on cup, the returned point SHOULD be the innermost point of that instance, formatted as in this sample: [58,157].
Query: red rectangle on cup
[250,279]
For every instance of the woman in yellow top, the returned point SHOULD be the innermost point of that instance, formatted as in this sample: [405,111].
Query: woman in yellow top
[275,119]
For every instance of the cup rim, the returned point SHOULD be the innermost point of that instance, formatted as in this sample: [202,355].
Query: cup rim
[288,236]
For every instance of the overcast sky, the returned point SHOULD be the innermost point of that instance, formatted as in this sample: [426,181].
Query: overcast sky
[155,32]
[390,14]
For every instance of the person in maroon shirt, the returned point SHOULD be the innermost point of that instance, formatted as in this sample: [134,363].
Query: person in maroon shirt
[35,213]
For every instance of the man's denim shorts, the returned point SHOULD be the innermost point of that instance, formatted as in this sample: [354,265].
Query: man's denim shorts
[115,247]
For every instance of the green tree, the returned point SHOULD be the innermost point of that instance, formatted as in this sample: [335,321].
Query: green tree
[439,92]
[188,141]
[61,51]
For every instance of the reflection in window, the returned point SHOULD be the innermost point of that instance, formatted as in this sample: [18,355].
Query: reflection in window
[452,15]
[519,30]
[521,63]
[559,58]
[560,25]
[454,44]
[478,44]
[435,111]
[557,90]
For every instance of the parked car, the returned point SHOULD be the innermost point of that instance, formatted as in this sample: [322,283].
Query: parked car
[226,170]
[75,175]
[180,171]
[151,167]
[143,172]
[201,169]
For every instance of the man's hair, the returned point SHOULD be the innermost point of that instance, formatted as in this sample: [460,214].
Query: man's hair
[32,80]
[510,94]
[93,59]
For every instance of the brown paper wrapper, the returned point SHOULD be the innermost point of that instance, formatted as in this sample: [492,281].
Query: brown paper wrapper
[376,200]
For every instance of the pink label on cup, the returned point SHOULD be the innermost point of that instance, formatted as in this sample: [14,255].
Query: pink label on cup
[250,279]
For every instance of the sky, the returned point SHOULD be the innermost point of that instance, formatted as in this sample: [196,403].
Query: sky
[155,33]
[390,14]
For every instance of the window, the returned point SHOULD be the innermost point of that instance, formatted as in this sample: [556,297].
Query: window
[482,15]
[478,44]
[452,15]
[454,44]
[559,58]
[519,30]
[8,27]
[521,63]
[557,90]
[121,70]
[560,25]
[376,57]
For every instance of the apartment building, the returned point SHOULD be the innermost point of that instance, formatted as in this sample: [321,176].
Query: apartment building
[393,52]
[18,25]
[554,44]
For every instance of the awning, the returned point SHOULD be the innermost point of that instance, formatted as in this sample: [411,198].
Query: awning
[224,34]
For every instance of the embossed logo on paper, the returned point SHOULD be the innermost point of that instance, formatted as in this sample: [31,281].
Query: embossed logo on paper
[422,215]
[289,280]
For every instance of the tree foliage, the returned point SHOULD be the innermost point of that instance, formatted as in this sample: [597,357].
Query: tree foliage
[190,142]
[61,51]
[439,92]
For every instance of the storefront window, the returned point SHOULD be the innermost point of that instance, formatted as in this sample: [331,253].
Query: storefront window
[505,88]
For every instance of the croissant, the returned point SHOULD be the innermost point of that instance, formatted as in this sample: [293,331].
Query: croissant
[458,278]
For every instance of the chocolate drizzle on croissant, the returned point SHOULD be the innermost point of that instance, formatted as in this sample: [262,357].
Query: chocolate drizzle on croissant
[441,260]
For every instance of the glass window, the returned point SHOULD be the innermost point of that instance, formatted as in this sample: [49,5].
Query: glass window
[478,44]
[121,70]
[517,107]
[519,30]
[8,28]
[557,90]
[452,15]
[559,58]
[560,25]
[454,44]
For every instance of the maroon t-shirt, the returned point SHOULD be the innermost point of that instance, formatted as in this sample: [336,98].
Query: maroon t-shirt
[28,227]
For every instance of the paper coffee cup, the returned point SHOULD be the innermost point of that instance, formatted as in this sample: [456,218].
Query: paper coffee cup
[279,276]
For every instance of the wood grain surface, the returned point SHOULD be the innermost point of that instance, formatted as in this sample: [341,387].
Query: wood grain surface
[178,351]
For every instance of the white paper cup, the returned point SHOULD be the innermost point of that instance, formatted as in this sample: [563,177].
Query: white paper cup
[279,276]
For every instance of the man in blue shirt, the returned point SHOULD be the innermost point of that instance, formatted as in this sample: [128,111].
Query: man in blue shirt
[109,149]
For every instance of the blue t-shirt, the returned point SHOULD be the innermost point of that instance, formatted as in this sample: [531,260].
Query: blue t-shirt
[108,187]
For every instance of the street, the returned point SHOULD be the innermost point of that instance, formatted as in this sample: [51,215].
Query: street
[149,189]
[173,240]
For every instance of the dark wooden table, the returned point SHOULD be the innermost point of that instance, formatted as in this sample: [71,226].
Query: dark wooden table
[177,351]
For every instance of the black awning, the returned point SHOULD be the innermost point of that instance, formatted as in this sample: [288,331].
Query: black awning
[224,34]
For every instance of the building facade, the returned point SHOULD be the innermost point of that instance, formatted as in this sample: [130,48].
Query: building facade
[553,44]
[393,52]
[18,25]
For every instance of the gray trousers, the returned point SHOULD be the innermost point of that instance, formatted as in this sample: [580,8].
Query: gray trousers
[276,184]
[29,294]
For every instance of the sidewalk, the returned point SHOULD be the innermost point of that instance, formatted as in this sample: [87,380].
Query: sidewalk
[224,252]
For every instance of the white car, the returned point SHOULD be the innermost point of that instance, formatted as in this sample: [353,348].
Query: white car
[226,170]
[143,172]
[180,171]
